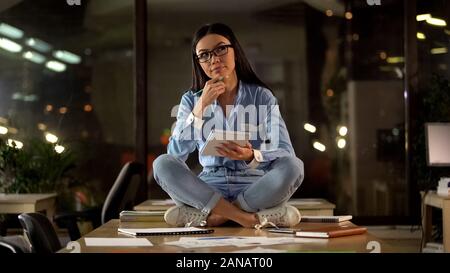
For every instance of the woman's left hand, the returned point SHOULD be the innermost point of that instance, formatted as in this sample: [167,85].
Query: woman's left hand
[233,151]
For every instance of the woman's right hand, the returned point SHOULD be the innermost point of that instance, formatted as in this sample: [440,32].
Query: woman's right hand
[212,90]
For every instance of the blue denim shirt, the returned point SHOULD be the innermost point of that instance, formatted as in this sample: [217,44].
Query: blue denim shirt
[255,110]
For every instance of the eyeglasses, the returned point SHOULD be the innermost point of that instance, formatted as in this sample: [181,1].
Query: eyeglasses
[206,56]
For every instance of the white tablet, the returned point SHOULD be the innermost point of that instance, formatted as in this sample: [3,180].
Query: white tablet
[217,137]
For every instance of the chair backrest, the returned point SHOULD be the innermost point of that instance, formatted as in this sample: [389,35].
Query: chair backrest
[123,193]
[40,233]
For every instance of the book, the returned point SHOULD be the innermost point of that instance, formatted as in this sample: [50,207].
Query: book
[165,231]
[326,219]
[331,231]
[217,137]
[141,216]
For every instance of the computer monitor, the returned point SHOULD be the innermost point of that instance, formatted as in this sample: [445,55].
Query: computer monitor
[438,144]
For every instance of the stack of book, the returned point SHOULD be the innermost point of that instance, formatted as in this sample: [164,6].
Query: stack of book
[141,216]
[444,186]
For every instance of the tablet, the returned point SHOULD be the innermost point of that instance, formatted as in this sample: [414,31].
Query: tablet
[217,137]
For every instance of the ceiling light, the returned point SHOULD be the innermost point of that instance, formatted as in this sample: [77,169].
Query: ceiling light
[3,130]
[436,22]
[423,17]
[309,127]
[342,130]
[420,36]
[15,143]
[55,66]
[395,60]
[51,138]
[34,57]
[67,57]
[10,45]
[59,149]
[319,146]
[438,50]
[10,31]
[38,45]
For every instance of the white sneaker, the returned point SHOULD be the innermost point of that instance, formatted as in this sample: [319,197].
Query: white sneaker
[280,216]
[185,216]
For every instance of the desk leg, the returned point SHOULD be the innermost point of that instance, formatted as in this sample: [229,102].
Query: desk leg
[426,223]
[446,224]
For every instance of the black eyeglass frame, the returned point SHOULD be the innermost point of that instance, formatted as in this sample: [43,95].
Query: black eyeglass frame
[211,52]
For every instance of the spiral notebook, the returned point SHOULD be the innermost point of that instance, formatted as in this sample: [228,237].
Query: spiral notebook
[326,219]
[164,231]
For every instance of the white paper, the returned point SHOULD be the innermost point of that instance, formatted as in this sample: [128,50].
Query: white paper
[90,241]
[259,250]
[245,241]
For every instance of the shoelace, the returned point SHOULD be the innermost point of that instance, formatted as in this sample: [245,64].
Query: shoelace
[265,223]
[195,220]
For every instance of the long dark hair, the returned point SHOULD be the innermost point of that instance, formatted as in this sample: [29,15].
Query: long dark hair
[243,69]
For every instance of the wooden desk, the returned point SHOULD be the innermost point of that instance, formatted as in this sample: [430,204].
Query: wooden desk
[25,203]
[429,200]
[306,206]
[357,243]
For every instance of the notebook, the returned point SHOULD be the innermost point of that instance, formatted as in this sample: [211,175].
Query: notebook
[331,231]
[141,216]
[165,231]
[217,137]
[326,219]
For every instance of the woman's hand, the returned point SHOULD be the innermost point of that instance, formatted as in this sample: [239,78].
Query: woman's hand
[231,150]
[212,90]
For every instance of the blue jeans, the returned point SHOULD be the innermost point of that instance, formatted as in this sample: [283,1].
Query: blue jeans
[252,189]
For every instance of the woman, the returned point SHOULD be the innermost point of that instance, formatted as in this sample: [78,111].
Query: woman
[249,185]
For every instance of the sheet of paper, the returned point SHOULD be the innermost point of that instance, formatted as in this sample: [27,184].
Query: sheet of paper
[163,202]
[246,241]
[259,250]
[91,241]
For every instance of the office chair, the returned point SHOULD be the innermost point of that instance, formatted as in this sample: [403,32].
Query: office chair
[9,244]
[122,196]
[40,233]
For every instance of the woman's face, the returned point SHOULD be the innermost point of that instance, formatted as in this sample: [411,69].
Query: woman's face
[216,66]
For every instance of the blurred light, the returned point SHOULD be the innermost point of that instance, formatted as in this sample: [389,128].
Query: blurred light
[421,36]
[383,55]
[34,57]
[438,50]
[319,146]
[17,96]
[38,45]
[63,110]
[15,143]
[48,107]
[88,108]
[13,130]
[31,97]
[329,12]
[348,15]
[51,138]
[342,130]
[436,22]
[10,45]
[59,149]
[67,57]
[42,126]
[3,130]
[330,92]
[309,127]
[395,131]
[405,94]
[10,31]
[55,66]
[423,17]
[398,72]
[341,143]
[355,36]
[395,60]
